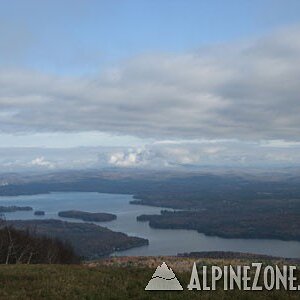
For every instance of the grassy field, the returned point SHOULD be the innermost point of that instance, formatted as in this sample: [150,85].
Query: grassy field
[114,279]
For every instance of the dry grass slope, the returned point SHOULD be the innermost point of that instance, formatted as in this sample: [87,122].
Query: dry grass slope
[123,278]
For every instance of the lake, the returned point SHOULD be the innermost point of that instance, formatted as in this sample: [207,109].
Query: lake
[161,241]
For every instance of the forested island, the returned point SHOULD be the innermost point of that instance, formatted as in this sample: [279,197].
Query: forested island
[87,216]
[13,208]
[39,213]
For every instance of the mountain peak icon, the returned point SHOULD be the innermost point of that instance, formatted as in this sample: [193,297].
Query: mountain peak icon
[163,279]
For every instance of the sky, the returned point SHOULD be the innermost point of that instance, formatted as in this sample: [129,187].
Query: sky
[149,83]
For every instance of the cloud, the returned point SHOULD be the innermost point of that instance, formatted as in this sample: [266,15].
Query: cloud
[248,90]
[155,156]
[160,155]
[130,158]
[206,153]
[37,159]
[42,162]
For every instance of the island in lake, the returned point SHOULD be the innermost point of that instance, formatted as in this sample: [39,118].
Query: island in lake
[39,213]
[89,241]
[87,216]
[7,209]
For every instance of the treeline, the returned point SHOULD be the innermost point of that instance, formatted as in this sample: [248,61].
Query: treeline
[24,247]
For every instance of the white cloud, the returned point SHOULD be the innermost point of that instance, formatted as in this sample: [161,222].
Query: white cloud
[31,159]
[42,162]
[130,158]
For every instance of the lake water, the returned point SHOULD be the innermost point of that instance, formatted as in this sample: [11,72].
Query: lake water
[161,241]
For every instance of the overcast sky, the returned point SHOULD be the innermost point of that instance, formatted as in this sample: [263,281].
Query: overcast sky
[149,83]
